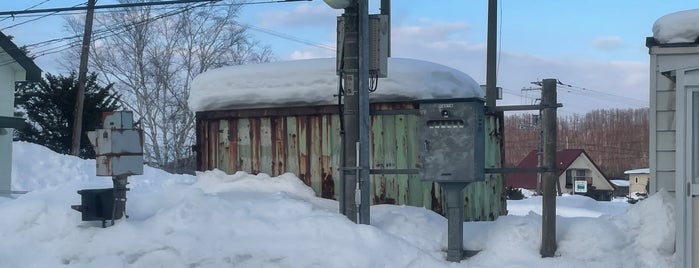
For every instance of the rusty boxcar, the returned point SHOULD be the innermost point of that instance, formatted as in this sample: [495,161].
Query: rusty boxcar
[305,140]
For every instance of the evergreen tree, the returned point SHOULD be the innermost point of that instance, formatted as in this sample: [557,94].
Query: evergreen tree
[49,106]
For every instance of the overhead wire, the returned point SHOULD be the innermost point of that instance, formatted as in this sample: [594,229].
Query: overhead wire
[35,19]
[36,5]
[108,32]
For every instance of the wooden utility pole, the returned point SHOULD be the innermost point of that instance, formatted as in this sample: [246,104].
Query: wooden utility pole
[82,79]
[550,128]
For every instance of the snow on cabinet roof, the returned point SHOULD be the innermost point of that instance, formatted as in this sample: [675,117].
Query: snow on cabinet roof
[314,82]
[638,171]
[678,27]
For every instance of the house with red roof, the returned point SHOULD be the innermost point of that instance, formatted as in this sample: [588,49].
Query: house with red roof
[573,165]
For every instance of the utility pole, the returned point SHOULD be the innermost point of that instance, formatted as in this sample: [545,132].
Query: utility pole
[491,91]
[550,128]
[82,78]
[355,173]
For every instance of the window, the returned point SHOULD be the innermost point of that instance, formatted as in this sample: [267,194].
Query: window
[575,174]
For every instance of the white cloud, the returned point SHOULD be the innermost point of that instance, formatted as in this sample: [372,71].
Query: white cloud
[607,42]
[303,15]
[310,52]
[597,84]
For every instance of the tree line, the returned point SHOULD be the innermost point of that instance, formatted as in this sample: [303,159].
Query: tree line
[616,139]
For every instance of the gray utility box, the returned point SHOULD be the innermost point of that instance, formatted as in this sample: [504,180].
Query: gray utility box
[452,140]
[118,147]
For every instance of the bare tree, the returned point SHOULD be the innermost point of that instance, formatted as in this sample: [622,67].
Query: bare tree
[152,54]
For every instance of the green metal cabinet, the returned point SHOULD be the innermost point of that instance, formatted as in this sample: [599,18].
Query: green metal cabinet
[306,141]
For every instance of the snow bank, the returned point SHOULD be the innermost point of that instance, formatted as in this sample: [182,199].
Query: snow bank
[244,220]
[678,27]
[314,82]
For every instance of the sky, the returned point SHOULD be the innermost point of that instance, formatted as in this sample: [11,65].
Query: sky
[241,220]
[595,47]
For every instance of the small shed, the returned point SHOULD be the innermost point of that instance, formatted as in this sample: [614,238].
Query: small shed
[284,117]
[16,66]
[638,180]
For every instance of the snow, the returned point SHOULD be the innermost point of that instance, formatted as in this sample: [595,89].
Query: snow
[315,82]
[241,220]
[622,183]
[638,171]
[678,27]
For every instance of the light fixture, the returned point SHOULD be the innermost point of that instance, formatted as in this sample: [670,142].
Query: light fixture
[338,4]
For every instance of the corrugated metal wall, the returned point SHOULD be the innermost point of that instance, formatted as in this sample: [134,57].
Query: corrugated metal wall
[306,141]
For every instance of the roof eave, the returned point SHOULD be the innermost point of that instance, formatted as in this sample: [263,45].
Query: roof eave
[32,71]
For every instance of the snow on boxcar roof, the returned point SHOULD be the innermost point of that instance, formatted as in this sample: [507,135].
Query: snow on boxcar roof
[678,27]
[315,82]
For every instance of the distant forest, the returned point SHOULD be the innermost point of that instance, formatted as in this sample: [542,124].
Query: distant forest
[616,139]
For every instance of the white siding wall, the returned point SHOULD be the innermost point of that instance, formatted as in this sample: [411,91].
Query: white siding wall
[8,75]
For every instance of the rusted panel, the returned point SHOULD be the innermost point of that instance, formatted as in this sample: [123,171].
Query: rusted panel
[270,112]
[304,149]
[255,145]
[266,163]
[327,189]
[292,151]
[402,155]
[315,144]
[388,106]
[223,145]
[415,185]
[233,162]
[486,200]
[389,158]
[336,152]
[279,145]
[244,144]
[213,144]
[378,181]
[202,137]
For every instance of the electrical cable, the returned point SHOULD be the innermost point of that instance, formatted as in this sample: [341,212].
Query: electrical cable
[26,9]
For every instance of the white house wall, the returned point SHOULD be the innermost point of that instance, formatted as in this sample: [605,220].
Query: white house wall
[8,75]
[662,120]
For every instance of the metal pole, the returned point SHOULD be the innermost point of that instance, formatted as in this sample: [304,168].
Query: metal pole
[455,220]
[386,10]
[364,111]
[491,56]
[82,77]
[548,224]
[350,75]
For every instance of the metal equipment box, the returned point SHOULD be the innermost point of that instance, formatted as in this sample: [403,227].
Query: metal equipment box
[452,140]
[118,146]
[118,120]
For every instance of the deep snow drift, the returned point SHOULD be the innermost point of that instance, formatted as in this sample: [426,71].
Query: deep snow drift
[242,220]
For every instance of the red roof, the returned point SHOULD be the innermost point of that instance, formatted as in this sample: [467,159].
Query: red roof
[528,180]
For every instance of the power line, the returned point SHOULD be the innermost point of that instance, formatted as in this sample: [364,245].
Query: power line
[28,8]
[35,19]
[109,32]
[126,5]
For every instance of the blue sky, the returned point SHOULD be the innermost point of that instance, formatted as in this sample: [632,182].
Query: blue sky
[597,46]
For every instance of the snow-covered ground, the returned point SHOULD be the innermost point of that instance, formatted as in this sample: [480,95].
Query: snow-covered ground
[242,220]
